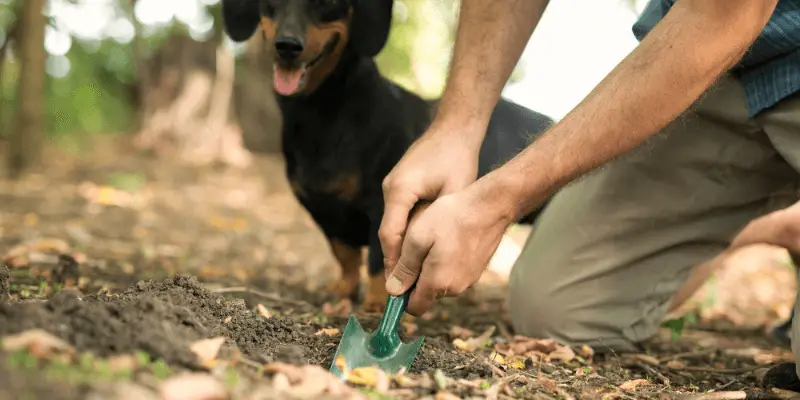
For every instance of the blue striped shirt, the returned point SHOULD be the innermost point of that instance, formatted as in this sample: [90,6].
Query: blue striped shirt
[770,70]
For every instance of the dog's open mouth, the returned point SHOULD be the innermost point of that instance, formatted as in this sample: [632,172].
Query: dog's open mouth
[291,80]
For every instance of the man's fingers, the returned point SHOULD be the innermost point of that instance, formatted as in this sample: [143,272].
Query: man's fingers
[414,249]
[397,205]
[421,300]
[426,293]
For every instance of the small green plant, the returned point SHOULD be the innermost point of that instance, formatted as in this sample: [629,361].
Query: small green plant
[21,360]
[128,181]
[142,357]
[161,370]
[231,378]
[677,325]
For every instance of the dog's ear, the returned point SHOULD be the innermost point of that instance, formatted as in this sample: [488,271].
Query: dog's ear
[370,26]
[241,18]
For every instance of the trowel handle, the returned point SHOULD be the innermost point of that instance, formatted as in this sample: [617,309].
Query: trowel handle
[395,307]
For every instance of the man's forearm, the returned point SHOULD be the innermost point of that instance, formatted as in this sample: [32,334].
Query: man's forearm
[490,39]
[695,43]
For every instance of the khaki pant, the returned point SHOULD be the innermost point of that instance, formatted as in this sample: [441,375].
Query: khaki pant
[612,248]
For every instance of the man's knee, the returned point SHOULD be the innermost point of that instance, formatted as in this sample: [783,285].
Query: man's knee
[535,312]
[538,311]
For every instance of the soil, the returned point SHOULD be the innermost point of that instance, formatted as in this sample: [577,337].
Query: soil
[164,317]
[196,253]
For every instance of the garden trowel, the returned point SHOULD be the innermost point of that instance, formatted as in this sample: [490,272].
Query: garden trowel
[381,348]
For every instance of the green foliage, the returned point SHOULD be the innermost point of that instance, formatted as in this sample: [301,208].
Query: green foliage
[129,181]
[676,326]
[96,94]
[94,97]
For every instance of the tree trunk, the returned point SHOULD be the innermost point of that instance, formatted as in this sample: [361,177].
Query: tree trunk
[26,137]
[187,103]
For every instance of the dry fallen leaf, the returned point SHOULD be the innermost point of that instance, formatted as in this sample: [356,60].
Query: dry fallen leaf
[497,358]
[37,341]
[342,308]
[328,332]
[207,350]
[446,396]
[474,343]
[441,381]
[562,353]
[587,352]
[292,372]
[315,382]
[524,345]
[517,363]
[631,385]
[410,327]
[461,333]
[341,363]
[122,362]
[192,386]
[367,376]
[281,382]
[405,381]
[428,316]
[263,311]
[310,381]
[650,360]
[765,358]
[675,364]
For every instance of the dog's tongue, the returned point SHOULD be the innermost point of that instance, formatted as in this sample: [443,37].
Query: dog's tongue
[287,80]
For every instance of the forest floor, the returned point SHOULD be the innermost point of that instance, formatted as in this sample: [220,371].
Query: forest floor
[129,277]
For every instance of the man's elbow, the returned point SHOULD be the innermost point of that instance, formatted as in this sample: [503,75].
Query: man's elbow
[737,22]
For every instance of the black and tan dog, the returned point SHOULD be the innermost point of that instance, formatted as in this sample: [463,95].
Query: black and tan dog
[345,126]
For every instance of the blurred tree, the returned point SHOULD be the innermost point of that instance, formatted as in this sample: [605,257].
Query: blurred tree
[26,137]
[9,29]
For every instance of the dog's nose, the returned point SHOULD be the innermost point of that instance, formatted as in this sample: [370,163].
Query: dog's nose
[288,47]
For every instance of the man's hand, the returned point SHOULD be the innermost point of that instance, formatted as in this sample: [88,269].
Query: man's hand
[436,165]
[780,228]
[448,245]
[445,159]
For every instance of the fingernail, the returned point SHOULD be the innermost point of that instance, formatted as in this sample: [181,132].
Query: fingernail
[393,285]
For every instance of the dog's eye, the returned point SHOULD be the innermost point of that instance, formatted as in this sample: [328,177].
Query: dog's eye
[269,7]
[330,10]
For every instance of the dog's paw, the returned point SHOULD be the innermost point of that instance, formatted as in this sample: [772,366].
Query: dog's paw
[375,299]
[345,288]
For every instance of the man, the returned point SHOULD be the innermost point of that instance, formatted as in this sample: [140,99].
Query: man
[708,128]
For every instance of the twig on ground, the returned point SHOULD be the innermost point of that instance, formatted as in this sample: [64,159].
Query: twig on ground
[688,354]
[501,328]
[495,369]
[650,370]
[721,370]
[731,382]
[493,392]
[268,296]
[738,395]
[250,363]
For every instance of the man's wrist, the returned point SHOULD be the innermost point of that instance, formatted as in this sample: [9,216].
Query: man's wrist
[467,129]
[504,192]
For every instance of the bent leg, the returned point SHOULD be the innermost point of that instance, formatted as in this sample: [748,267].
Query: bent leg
[611,249]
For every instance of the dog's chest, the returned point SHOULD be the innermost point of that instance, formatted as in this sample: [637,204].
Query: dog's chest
[323,161]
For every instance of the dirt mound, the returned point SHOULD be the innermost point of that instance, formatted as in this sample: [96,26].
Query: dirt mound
[164,317]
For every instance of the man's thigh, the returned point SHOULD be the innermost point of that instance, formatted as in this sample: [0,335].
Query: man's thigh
[782,126]
[611,249]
